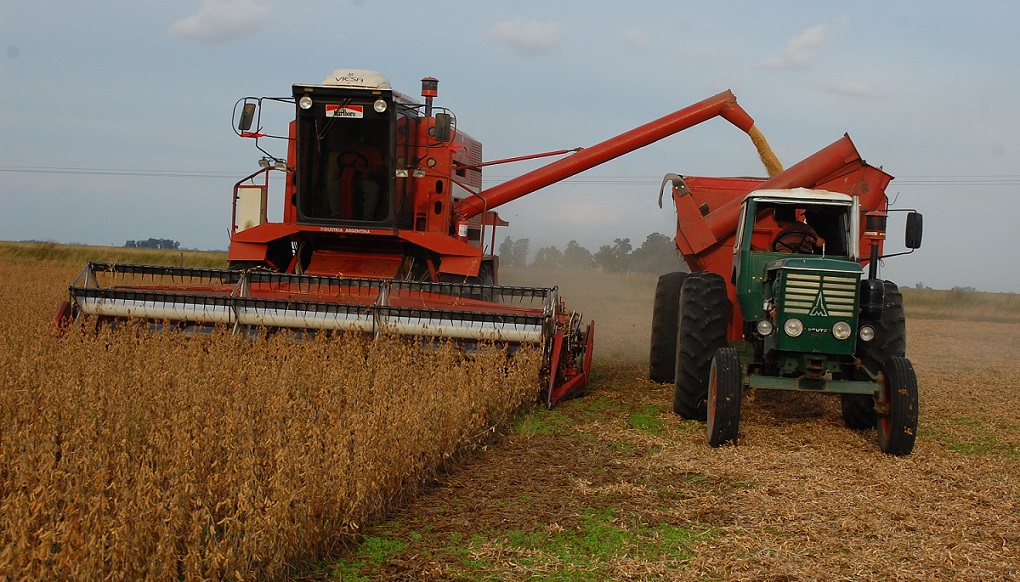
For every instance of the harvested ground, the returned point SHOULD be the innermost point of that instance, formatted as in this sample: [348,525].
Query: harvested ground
[613,486]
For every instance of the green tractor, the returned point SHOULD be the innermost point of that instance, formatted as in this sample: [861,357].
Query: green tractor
[792,308]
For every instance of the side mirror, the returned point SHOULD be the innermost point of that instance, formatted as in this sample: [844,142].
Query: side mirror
[444,127]
[247,116]
[914,228]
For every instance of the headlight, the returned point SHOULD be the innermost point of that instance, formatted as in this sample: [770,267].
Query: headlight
[305,102]
[379,106]
[793,327]
[765,327]
[842,330]
[867,333]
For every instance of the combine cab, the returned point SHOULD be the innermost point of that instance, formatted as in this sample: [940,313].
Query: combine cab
[385,229]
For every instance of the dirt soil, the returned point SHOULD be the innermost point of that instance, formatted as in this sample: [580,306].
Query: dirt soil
[614,486]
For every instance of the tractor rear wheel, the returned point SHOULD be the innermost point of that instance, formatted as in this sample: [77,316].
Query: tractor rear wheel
[725,389]
[890,332]
[897,426]
[662,355]
[890,340]
[858,411]
[704,313]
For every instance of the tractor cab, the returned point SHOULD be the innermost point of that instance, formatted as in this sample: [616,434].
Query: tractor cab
[786,235]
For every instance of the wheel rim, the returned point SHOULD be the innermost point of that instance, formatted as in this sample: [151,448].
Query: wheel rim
[712,397]
[885,418]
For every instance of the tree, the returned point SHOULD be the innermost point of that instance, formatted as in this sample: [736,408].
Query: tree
[577,258]
[514,253]
[657,255]
[506,248]
[548,258]
[153,243]
[614,258]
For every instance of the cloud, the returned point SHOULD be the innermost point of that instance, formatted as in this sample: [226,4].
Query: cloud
[698,53]
[222,21]
[528,38]
[851,88]
[634,38]
[801,49]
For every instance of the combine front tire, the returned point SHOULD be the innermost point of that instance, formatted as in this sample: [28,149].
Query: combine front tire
[897,425]
[704,313]
[725,389]
[662,355]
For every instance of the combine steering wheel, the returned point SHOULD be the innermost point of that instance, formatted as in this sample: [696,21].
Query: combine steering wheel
[352,159]
[795,241]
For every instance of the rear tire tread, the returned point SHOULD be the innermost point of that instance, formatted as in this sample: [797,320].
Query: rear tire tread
[662,354]
[704,315]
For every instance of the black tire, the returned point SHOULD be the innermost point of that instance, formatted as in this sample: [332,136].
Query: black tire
[662,354]
[704,314]
[890,332]
[485,277]
[890,340]
[897,427]
[858,411]
[725,390]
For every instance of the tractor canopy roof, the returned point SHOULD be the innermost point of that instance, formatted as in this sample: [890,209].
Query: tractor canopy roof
[799,196]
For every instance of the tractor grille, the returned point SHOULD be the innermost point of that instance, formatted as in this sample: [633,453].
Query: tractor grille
[819,294]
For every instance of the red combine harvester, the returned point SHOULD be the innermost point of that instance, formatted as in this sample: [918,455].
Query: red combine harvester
[386,229]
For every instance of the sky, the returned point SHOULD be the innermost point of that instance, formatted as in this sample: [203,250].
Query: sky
[115,115]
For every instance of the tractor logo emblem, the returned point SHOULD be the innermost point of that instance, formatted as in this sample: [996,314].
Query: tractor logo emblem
[819,307]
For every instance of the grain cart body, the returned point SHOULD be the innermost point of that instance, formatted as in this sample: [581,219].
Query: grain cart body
[776,305]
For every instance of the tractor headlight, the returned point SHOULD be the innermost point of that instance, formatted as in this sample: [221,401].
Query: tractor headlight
[842,330]
[305,102]
[793,327]
[867,333]
[765,327]
[379,106]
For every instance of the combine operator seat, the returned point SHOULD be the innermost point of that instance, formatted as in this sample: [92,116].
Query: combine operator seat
[344,169]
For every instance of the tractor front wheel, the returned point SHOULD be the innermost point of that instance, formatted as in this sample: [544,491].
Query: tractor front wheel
[725,389]
[897,421]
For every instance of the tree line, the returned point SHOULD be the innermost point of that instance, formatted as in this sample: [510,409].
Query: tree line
[657,255]
[153,243]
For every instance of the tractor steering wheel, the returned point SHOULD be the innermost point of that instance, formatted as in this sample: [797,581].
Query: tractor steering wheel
[352,159]
[794,240]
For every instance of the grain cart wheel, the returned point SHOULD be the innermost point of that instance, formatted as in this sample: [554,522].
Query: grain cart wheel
[662,356]
[725,389]
[704,312]
[897,425]
[890,340]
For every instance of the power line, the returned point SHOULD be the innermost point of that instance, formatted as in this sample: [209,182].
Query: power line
[117,172]
[935,180]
